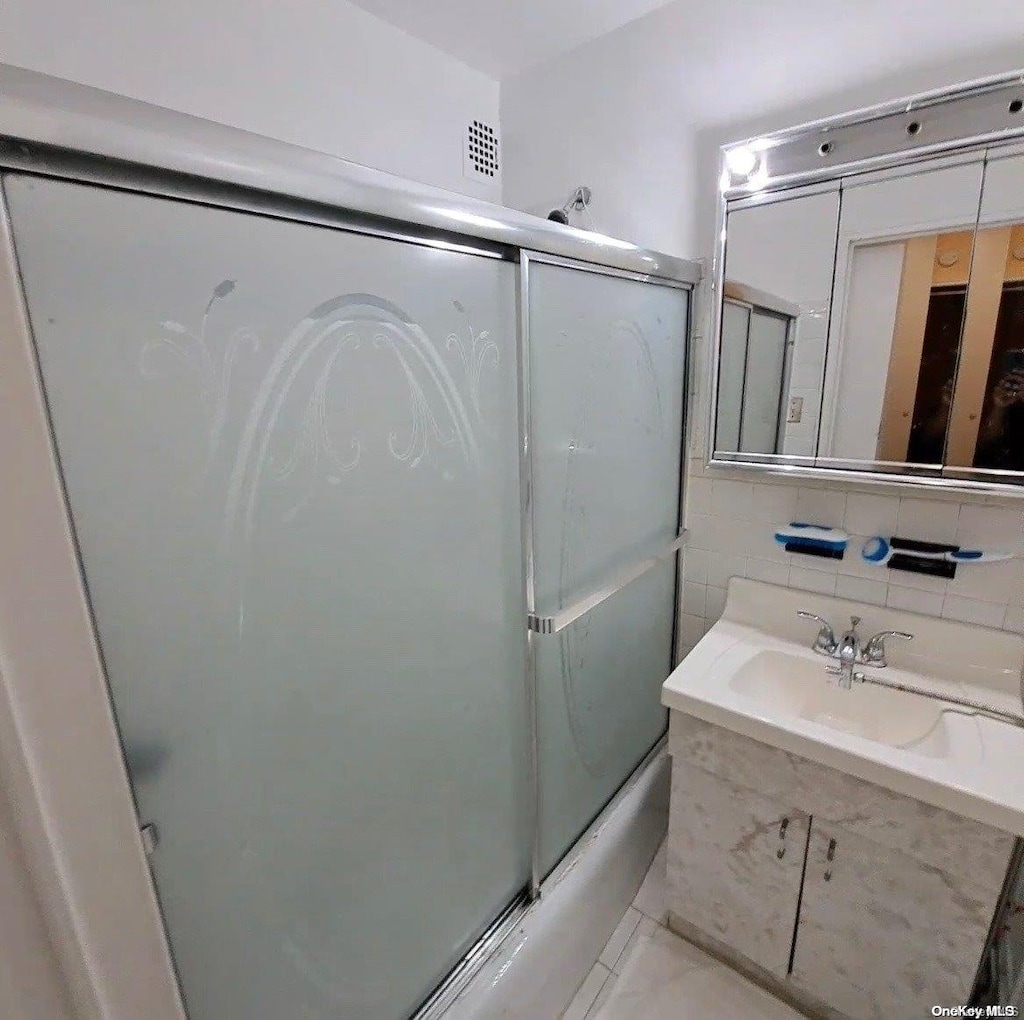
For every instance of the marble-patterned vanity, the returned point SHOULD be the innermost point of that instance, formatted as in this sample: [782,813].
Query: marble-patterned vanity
[855,885]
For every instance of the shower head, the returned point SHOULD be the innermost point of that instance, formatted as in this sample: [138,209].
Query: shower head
[579,200]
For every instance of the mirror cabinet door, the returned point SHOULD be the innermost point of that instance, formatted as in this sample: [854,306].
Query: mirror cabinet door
[903,261]
[775,302]
[986,429]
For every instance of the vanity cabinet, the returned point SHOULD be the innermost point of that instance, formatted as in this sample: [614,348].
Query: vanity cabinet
[877,906]
[752,847]
[879,932]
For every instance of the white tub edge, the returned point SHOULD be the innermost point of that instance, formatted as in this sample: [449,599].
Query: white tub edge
[540,964]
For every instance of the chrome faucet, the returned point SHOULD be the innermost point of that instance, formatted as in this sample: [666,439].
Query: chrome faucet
[873,653]
[848,654]
[825,643]
[849,651]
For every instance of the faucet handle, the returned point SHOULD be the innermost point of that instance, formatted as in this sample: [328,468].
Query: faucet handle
[825,642]
[873,652]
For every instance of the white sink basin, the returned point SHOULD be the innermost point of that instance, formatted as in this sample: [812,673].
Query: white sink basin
[755,673]
[797,687]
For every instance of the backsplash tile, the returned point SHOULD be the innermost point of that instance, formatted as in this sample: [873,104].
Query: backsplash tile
[1013,620]
[770,571]
[984,614]
[715,602]
[861,589]
[724,566]
[990,582]
[821,506]
[871,515]
[694,598]
[914,601]
[731,522]
[813,580]
[928,520]
[990,527]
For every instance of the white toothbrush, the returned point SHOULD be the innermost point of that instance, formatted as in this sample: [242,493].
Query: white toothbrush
[879,550]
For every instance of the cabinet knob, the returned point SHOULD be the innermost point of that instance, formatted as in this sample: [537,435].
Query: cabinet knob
[830,857]
[781,852]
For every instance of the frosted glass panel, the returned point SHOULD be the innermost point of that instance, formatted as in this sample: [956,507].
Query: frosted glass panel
[291,458]
[599,701]
[731,372]
[607,362]
[762,389]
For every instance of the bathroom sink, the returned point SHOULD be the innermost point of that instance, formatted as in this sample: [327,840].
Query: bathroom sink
[754,673]
[799,687]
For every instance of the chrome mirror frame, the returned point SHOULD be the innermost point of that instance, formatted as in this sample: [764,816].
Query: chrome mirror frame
[964,118]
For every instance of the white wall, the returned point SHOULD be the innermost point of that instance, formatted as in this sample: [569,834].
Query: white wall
[320,73]
[639,114]
[608,115]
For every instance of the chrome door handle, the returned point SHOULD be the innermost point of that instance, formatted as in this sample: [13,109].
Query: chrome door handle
[781,852]
[830,857]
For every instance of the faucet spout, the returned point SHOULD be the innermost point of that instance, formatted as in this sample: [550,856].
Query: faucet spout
[848,654]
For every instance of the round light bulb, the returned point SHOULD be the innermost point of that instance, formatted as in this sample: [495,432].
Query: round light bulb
[741,162]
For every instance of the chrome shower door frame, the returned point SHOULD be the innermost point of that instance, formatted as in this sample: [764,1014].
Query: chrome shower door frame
[63,775]
[538,626]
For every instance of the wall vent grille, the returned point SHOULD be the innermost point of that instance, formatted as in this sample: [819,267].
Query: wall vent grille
[481,155]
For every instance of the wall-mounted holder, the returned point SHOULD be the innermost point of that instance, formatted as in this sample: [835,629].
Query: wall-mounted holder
[812,540]
[904,559]
[910,555]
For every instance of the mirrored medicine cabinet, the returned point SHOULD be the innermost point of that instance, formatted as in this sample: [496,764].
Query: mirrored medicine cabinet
[869,292]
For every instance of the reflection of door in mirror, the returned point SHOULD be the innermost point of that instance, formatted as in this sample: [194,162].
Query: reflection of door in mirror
[933,275]
[903,258]
[987,426]
[778,276]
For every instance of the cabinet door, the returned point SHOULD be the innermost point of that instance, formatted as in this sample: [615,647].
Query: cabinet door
[734,864]
[882,935]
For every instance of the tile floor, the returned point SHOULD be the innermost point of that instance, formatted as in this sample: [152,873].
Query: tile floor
[648,973]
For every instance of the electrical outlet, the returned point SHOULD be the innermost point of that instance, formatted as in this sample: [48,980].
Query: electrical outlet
[796,410]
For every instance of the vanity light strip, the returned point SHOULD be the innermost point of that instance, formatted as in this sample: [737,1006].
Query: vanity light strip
[560,620]
[986,111]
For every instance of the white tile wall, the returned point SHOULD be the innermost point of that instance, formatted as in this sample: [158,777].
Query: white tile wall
[731,534]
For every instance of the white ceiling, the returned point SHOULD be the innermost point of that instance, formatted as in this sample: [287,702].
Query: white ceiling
[503,37]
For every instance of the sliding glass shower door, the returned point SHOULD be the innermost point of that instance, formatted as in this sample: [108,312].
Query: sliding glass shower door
[607,359]
[291,459]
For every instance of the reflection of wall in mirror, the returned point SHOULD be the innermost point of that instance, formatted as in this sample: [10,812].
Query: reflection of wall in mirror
[787,248]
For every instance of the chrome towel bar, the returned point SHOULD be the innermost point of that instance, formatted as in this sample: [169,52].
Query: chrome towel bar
[560,620]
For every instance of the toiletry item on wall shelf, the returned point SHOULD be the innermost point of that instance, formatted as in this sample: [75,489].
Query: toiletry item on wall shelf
[925,557]
[979,556]
[812,539]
